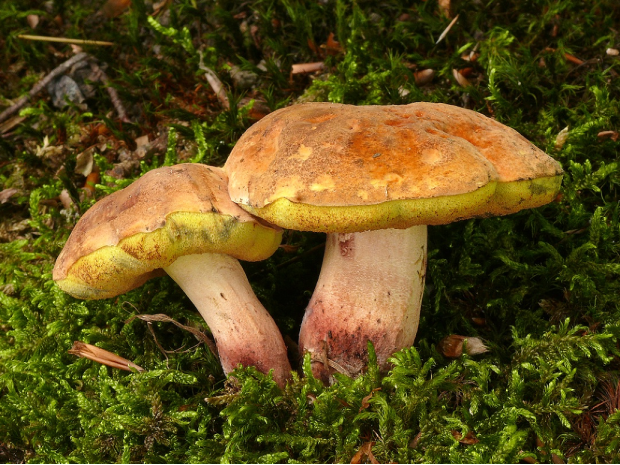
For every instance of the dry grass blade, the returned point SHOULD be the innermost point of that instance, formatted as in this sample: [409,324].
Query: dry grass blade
[96,354]
[202,337]
[447,29]
[65,40]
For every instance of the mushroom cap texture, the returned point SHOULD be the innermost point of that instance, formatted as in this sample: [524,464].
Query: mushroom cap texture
[344,168]
[129,236]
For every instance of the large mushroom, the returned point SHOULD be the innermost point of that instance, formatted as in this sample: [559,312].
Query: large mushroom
[373,178]
[180,219]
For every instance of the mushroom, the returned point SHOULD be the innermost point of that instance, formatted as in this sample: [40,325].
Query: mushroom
[180,219]
[373,178]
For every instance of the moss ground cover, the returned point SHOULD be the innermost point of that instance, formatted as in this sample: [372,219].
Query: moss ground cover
[540,287]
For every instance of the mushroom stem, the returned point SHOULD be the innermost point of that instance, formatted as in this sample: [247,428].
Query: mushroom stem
[244,331]
[370,288]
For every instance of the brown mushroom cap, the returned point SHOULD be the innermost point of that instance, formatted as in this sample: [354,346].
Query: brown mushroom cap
[344,168]
[127,237]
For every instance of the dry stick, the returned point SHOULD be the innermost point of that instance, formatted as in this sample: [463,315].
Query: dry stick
[302,68]
[22,101]
[215,83]
[116,101]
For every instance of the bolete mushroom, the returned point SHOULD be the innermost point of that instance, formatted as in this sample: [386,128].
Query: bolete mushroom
[180,219]
[373,178]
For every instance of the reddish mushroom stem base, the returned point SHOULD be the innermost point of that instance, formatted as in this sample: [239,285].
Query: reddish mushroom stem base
[370,289]
[244,331]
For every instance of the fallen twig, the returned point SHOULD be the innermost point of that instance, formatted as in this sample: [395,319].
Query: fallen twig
[302,68]
[215,83]
[22,101]
[101,76]
[116,101]
[567,56]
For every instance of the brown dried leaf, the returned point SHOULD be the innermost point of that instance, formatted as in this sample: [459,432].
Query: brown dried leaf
[314,48]
[462,80]
[444,6]
[141,141]
[423,76]
[470,56]
[452,346]
[469,438]
[561,138]
[91,181]
[114,8]
[33,21]
[332,46]
[365,451]
[158,6]
[415,441]
[365,400]
[84,162]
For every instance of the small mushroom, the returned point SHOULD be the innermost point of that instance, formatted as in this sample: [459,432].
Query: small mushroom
[373,178]
[180,219]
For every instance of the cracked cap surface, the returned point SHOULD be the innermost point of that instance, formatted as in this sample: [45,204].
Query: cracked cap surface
[129,236]
[343,168]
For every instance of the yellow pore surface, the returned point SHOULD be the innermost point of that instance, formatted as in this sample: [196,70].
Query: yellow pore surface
[113,270]
[495,198]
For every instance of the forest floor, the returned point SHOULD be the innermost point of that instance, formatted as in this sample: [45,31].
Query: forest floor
[141,84]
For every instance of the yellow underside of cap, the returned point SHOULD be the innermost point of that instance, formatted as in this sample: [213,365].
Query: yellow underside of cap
[490,200]
[511,197]
[113,270]
[399,214]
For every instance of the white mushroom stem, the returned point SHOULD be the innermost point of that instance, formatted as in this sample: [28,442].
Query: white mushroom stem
[370,288]
[244,331]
